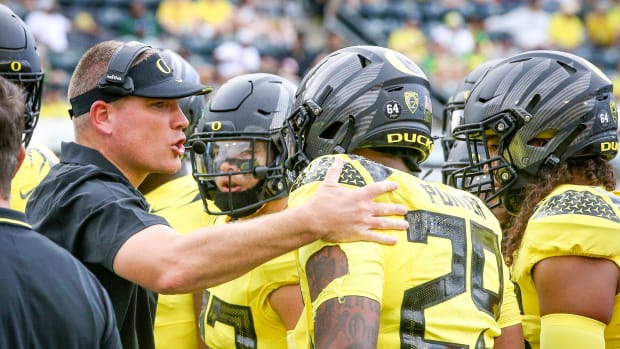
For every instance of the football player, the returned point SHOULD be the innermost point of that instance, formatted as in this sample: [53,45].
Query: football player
[237,162]
[546,122]
[444,283]
[21,64]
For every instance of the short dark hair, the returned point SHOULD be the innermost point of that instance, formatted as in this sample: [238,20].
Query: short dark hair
[11,126]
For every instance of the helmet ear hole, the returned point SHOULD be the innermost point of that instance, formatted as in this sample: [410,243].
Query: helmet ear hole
[331,131]
[533,103]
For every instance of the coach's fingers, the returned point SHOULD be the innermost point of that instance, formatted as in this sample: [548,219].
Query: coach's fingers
[379,238]
[389,209]
[375,189]
[333,172]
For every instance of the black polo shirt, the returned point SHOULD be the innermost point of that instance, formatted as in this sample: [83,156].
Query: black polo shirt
[86,205]
[48,299]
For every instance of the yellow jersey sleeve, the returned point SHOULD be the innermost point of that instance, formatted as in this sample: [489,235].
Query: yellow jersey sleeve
[573,220]
[238,314]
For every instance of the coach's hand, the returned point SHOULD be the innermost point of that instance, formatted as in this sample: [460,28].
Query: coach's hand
[350,214]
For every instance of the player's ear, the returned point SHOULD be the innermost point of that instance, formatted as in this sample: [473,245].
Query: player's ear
[20,157]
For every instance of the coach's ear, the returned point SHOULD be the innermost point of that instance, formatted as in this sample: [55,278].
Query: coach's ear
[100,116]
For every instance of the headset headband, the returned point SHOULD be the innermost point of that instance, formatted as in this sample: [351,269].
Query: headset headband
[115,81]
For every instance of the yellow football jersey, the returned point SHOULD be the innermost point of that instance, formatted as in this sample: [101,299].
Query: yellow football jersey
[444,283]
[572,220]
[178,201]
[37,163]
[237,314]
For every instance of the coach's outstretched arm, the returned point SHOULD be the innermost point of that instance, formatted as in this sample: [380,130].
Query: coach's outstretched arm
[220,253]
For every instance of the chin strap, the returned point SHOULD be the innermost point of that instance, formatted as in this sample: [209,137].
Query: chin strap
[558,155]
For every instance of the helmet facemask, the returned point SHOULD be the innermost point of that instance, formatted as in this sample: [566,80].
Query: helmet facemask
[32,85]
[458,158]
[239,145]
[503,158]
[233,160]
[488,172]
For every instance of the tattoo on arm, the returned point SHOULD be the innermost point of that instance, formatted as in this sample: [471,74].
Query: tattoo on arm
[324,266]
[347,322]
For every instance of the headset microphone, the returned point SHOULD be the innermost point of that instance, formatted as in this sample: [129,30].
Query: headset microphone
[199,147]
[288,163]
[261,172]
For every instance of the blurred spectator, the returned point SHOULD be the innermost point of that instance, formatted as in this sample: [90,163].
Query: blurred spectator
[301,53]
[600,27]
[214,17]
[177,17]
[289,69]
[271,26]
[49,26]
[86,32]
[566,29]
[246,13]
[409,39]
[448,69]
[333,42]
[528,25]
[279,32]
[54,102]
[21,7]
[453,35]
[316,8]
[236,57]
[484,47]
[614,14]
[140,23]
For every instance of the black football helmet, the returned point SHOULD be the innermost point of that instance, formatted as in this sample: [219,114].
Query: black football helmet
[244,115]
[453,112]
[458,158]
[20,63]
[361,97]
[456,155]
[192,106]
[544,107]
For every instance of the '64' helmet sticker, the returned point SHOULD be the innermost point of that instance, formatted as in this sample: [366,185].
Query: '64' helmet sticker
[392,109]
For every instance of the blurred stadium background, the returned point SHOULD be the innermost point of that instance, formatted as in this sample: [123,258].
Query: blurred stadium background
[224,38]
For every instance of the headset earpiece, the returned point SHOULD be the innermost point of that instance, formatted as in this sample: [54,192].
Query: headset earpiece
[115,81]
